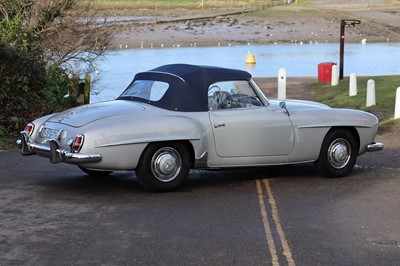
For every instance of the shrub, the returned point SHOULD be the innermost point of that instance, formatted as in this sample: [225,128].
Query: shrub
[27,89]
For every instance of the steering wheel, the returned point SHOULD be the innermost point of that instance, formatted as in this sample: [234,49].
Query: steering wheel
[226,100]
[214,96]
[211,90]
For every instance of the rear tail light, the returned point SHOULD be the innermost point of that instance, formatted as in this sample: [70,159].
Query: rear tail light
[77,143]
[29,128]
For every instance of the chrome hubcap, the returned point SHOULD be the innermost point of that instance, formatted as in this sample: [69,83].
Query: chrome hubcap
[166,164]
[339,153]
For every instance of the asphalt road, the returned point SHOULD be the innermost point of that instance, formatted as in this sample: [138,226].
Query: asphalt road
[56,215]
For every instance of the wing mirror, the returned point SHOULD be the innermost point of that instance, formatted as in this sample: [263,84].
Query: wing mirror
[283,106]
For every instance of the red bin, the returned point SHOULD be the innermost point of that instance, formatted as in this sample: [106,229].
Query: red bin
[325,72]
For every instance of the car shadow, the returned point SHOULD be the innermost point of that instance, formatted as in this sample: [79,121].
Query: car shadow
[223,177]
[119,183]
[83,184]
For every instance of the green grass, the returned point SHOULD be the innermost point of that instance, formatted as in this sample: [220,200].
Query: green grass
[8,141]
[385,90]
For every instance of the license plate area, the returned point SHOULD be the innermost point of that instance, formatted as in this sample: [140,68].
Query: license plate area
[50,133]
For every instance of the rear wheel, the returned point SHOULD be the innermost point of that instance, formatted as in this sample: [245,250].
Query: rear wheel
[163,166]
[338,153]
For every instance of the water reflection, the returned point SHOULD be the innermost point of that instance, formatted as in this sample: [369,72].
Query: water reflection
[118,68]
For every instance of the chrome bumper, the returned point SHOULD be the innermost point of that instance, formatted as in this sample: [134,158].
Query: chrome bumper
[53,152]
[375,147]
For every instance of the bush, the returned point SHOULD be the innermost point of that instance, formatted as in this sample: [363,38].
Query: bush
[27,89]
[21,77]
[37,37]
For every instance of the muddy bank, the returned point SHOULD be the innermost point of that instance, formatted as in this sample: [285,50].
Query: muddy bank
[302,24]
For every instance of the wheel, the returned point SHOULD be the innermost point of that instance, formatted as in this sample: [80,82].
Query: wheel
[163,166]
[95,172]
[338,153]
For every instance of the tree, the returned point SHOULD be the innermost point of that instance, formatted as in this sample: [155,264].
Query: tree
[67,30]
[41,44]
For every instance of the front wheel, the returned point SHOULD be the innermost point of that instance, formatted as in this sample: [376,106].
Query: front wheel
[163,166]
[338,153]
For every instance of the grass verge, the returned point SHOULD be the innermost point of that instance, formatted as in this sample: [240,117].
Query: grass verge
[7,142]
[385,91]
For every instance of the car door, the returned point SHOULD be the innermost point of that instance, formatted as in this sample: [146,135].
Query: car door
[243,127]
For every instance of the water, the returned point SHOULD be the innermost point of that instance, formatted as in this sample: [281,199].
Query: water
[117,70]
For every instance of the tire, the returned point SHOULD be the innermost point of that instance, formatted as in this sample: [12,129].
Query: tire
[338,153]
[95,172]
[163,166]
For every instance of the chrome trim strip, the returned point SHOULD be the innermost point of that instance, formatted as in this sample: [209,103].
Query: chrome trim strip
[375,147]
[166,73]
[53,152]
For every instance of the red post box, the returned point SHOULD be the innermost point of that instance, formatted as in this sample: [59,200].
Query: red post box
[325,72]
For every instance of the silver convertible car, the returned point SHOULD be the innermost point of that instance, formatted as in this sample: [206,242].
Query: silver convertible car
[179,117]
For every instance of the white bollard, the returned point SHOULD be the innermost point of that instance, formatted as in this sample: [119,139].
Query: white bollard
[353,85]
[397,105]
[371,100]
[282,84]
[334,77]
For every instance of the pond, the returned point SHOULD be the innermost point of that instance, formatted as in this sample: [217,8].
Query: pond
[117,70]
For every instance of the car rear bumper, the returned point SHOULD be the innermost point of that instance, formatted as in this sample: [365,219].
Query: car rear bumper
[375,147]
[54,152]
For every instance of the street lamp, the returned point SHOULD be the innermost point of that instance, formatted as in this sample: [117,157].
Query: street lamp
[343,24]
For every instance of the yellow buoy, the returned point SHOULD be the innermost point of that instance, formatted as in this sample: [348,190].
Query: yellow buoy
[250,58]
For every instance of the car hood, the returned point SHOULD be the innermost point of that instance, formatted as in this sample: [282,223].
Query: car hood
[85,114]
[294,105]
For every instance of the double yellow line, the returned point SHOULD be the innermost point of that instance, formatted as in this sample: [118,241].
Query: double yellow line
[272,225]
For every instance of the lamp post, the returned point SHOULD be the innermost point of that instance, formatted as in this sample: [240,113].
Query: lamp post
[343,24]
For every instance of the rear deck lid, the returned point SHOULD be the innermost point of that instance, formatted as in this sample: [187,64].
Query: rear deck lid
[83,115]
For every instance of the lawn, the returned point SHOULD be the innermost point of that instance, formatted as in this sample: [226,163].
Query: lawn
[385,90]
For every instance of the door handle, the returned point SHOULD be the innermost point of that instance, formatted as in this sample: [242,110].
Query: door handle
[219,125]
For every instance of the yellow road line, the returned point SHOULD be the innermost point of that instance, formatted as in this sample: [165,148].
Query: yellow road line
[275,216]
[286,249]
[267,228]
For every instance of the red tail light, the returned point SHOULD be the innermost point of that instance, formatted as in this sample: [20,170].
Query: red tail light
[77,143]
[29,128]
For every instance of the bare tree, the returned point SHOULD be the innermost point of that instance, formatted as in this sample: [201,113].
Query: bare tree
[68,31]
[77,37]
[41,43]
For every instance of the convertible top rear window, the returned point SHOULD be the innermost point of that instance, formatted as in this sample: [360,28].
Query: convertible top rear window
[150,90]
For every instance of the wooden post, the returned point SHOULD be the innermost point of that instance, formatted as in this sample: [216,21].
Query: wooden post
[334,76]
[371,99]
[353,85]
[282,84]
[397,104]
[87,89]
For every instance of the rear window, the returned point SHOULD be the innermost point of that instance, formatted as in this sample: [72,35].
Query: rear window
[150,90]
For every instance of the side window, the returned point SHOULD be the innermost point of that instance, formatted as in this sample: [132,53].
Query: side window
[158,90]
[232,94]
